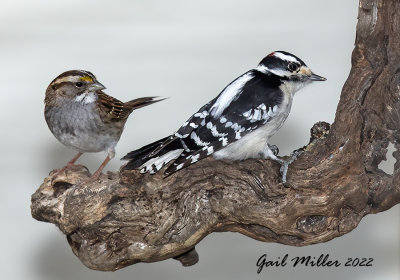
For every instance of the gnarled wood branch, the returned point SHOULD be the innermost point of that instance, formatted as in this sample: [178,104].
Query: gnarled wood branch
[127,217]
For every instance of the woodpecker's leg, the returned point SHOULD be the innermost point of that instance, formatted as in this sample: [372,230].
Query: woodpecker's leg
[270,153]
[285,166]
[96,175]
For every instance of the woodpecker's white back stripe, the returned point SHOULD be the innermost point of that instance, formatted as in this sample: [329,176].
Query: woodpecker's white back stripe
[229,94]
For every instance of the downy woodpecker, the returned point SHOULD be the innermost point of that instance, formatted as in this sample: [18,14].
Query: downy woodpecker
[235,125]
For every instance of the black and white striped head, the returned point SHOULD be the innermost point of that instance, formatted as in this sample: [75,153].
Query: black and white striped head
[287,66]
[75,85]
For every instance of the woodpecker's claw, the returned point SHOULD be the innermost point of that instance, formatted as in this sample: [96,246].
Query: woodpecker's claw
[274,149]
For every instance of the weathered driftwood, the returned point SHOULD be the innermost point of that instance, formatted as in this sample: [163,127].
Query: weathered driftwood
[127,217]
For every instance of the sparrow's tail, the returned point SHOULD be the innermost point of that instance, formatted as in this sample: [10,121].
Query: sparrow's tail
[154,156]
[142,102]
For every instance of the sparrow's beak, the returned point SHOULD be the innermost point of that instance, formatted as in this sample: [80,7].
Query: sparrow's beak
[96,86]
[315,77]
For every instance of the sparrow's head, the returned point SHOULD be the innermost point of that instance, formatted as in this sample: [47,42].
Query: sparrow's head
[288,67]
[73,85]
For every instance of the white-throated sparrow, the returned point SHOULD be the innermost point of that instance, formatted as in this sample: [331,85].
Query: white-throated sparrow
[81,116]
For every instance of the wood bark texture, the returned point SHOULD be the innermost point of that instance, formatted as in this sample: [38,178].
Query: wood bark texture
[126,217]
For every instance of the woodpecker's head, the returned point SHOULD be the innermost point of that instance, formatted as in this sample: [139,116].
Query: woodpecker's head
[288,67]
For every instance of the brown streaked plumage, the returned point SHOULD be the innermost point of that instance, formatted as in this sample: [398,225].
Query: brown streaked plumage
[81,116]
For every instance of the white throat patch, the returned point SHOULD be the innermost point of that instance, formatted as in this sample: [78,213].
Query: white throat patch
[86,98]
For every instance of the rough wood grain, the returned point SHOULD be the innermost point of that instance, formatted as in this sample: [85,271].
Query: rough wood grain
[127,217]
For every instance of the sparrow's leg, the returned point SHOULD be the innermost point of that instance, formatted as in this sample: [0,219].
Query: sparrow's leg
[75,158]
[69,164]
[96,175]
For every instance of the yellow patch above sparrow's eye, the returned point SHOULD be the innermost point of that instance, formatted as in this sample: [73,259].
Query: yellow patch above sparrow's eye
[86,79]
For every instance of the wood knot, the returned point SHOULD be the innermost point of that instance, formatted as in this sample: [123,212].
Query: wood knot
[312,224]
[188,258]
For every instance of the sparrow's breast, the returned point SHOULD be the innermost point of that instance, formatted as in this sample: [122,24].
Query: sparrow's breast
[80,126]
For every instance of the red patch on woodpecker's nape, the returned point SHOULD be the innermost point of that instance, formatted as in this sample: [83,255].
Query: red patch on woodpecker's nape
[272,54]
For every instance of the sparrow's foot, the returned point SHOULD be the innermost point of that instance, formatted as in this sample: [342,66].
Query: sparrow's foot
[69,165]
[58,172]
[97,174]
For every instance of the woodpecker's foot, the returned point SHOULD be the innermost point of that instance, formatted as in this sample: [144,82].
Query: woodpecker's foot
[283,170]
[274,149]
[285,163]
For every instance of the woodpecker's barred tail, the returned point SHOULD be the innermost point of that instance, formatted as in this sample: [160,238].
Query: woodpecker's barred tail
[144,159]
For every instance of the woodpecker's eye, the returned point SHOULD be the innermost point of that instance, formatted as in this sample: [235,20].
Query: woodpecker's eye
[79,84]
[293,66]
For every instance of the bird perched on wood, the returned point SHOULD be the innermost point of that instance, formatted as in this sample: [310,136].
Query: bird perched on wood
[235,125]
[81,116]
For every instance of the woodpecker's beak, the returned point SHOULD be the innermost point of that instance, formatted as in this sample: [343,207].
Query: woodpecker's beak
[315,77]
[96,86]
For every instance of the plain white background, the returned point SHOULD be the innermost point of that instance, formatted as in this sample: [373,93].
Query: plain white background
[188,51]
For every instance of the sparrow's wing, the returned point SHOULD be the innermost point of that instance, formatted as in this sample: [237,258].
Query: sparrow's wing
[114,108]
[117,110]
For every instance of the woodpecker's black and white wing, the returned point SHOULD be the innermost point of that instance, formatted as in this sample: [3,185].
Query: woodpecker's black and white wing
[246,104]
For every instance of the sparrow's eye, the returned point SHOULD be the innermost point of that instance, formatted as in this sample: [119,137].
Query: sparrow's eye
[79,84]
[293,66]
